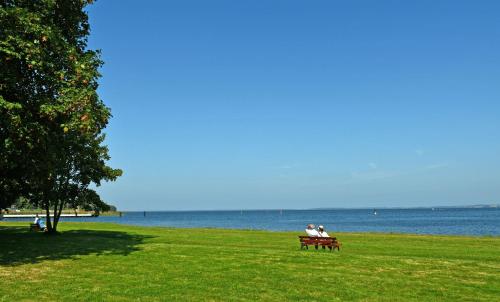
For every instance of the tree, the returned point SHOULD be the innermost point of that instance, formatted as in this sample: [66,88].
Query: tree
[23,203]
[52,118]
[7,194]
[89,200]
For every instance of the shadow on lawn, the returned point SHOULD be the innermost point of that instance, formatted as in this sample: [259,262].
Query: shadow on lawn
[19,246]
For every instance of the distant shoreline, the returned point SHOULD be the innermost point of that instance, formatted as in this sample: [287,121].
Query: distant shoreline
[479,206]
[492,206]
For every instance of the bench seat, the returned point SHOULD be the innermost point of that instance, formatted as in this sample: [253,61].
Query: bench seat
[35,227]
[330,242]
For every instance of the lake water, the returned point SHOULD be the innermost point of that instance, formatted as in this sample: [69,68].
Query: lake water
[456,221]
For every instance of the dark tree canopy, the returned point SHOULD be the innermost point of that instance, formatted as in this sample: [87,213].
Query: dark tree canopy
[51,117]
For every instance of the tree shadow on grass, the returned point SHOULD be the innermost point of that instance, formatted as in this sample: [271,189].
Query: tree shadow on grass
[19,246]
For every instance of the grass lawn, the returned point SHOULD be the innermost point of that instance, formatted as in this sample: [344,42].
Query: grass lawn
[107,262]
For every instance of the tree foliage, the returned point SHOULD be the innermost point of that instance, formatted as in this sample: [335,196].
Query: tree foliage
[51,117]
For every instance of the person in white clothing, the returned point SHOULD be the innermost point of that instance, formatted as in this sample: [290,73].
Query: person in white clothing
[37,220]
[321,232]
[311,232]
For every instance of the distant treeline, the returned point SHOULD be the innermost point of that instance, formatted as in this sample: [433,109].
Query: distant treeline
[24,205]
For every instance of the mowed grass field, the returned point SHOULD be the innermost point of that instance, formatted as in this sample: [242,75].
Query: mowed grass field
[108,262]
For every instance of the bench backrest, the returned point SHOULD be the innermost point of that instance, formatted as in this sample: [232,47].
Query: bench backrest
[317,239]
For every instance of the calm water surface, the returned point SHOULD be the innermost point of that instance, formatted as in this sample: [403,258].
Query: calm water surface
[457,221]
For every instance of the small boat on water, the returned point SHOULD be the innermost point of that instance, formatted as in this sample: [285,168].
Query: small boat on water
[374,212]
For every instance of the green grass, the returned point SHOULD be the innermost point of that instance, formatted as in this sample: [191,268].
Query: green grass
[106,262]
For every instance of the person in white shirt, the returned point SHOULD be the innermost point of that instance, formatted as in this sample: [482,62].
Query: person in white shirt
[321,232]
[37,220]
[311,232]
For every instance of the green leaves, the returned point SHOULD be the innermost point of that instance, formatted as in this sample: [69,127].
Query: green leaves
[51,117]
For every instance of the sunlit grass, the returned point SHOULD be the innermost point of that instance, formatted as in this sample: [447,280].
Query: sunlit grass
[107,262]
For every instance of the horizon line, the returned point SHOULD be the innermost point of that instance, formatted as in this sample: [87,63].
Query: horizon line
[493,205]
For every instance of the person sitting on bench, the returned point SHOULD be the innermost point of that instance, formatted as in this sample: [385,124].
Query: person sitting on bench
[38,225]
[42,225]
[321,232]
[311,232]
[37,220]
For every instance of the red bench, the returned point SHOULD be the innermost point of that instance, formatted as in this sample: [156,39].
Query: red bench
[331,242]
[35,227]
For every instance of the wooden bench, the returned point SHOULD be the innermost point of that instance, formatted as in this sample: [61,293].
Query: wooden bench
[35,227]
[331,242]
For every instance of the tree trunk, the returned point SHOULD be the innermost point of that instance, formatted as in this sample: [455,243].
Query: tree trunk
[54,223]
[57,214]
[47,215]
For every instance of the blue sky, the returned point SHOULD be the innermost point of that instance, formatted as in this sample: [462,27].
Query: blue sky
[300,104]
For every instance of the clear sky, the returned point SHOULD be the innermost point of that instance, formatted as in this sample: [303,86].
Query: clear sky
[300,104]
